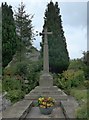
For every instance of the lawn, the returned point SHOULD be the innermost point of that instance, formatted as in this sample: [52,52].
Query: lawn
[81,95]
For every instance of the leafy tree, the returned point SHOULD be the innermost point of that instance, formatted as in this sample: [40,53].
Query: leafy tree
[58,54]
[9,44]
[86,57]
[86,61]
[0,40]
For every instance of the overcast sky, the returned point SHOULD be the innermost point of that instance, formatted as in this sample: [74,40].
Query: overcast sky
[74,21]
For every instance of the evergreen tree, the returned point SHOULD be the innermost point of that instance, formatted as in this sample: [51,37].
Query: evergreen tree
[9,44]
[58,54]
[0,40]
[24,26]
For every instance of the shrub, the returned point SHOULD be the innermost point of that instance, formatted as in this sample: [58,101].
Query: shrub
[70,78]
[86,71]
[82,112]
[22,69]
[76,64]
[8,71]
[10,83]
[15,95]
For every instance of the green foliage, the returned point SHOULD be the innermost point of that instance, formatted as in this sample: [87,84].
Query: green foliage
[86,71]
[58,54]
[15,95]
[86,57]
[82,112]
[76,64]
[22,69]
[10,84]
[34,74]
[14,88]
[0,40]
[86,62]
[70,78]
[9,71]
[9,38]
[81,96]
[24,26]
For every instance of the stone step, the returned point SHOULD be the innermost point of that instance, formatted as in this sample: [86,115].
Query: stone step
[18,110]
[47,92]
[56,97]
[54,88]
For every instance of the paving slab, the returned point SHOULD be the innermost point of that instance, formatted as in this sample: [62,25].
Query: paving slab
[35,113]
[17,110]
[69,107]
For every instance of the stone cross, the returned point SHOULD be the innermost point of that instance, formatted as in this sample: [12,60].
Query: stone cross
[45,51]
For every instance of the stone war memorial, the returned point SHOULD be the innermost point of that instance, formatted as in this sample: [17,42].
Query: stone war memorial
[64,106]
[46,87]
[44,84]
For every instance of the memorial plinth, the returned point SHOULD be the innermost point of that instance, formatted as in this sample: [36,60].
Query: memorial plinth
[46,87]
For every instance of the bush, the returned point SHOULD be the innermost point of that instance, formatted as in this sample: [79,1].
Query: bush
[82,112]
[86,71]
[9,71]
[15,95]
[10,83]
[76,64]
[22,69]
[70,78]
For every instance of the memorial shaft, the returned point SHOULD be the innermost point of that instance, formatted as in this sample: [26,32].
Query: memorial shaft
[45,55]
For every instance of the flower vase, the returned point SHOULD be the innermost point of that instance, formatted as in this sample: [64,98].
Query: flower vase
[46,111]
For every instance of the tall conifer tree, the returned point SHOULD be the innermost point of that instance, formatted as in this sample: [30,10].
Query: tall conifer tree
[9,43]
[58,54]
[24,25]
[24,28]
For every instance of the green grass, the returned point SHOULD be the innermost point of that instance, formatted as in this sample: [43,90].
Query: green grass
[81,96]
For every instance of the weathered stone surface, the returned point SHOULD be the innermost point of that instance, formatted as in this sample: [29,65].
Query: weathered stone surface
[17,110]
[46,80]
[69,107]
[35,113]
[53,91]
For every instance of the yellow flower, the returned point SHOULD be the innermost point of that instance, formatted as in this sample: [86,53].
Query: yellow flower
[40,99]
[44,103]
[48,105]
[42,106]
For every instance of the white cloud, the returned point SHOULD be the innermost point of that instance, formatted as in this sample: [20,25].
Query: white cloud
[74,13]
[76,38]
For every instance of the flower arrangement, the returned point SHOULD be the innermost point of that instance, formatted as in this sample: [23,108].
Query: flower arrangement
[46,102]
